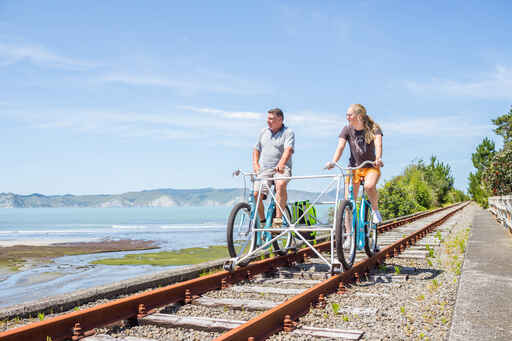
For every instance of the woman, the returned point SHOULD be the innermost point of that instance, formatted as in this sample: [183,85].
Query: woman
[365,140]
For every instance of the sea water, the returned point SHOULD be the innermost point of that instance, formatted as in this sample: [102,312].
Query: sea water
[172,228]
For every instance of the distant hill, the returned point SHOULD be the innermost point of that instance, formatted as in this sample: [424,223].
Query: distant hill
[166,197]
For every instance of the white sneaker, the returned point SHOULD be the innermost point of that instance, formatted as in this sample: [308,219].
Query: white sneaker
[376,217]
[346,243]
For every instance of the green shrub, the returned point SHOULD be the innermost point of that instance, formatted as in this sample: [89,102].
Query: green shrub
[498,175]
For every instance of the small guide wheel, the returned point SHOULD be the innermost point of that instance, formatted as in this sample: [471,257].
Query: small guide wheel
[336,268]
[229,265]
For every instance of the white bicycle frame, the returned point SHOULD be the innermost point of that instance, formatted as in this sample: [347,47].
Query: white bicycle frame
[337,179]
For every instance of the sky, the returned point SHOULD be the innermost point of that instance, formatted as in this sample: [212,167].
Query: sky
[117,96]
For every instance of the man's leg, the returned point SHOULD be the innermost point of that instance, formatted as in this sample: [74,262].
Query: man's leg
[261,209]
[281,196]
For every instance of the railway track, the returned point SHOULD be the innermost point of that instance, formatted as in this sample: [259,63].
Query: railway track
[253,302]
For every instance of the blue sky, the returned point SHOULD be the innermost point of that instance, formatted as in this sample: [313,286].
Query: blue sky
[115,96]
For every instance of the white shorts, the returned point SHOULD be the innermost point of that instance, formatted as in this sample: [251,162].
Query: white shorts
[270,173]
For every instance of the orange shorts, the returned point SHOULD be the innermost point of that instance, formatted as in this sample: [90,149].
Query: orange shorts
[357,174]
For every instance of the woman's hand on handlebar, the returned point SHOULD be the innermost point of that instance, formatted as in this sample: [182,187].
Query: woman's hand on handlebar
[329,165]
[378,163]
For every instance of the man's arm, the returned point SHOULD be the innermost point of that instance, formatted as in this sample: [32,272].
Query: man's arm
[284,159]
[256,160]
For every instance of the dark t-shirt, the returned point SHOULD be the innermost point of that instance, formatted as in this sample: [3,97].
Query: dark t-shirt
[360,151]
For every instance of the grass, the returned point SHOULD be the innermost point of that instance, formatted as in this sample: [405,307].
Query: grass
[335,308]
[209,272]
[165,258]
[12,264]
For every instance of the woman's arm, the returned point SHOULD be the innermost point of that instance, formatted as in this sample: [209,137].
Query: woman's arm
[378,150]
[337,153]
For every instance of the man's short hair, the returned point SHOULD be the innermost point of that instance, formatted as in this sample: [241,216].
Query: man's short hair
[277,112]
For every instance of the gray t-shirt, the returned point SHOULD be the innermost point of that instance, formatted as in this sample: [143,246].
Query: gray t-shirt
[272,146]
[360,151]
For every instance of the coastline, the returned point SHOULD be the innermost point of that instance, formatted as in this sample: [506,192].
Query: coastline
[22,255]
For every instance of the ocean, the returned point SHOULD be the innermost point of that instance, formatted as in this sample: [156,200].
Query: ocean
[173,228]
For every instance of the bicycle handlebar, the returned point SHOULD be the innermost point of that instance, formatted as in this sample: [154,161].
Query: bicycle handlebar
[352,168]
[239,171]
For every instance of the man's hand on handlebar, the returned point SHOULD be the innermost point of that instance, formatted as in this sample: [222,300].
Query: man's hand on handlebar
[279,169]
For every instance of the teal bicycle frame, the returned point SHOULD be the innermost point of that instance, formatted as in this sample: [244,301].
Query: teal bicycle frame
[268,217]
[359,220]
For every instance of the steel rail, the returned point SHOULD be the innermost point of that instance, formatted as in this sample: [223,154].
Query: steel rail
[77,324]
[273,321]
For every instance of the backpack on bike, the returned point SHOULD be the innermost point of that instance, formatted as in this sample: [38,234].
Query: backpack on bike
[310,218]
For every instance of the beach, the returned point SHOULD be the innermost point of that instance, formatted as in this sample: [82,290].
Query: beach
[22,255]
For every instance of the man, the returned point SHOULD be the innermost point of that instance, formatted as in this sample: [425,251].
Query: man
[274,149]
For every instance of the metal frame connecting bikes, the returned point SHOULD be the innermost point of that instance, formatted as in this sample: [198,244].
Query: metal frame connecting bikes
[247,240]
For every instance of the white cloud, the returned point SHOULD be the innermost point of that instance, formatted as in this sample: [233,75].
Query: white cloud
[493,85]
[227,114]
[191,83]
[10,54]
[182,123]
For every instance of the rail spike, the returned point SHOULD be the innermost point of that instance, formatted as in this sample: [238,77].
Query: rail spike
[288,324]
[321,301]
[188,296]
[224,283]
[341,288]
[77,332]
[142,311]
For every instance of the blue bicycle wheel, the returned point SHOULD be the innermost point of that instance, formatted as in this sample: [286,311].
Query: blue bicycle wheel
[240,232]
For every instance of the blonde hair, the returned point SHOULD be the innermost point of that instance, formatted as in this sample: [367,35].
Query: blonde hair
[370,127]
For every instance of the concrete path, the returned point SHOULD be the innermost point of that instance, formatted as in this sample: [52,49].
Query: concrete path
[483,310]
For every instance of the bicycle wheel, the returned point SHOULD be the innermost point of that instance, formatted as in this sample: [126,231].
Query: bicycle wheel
[345,234]
[281,244]
[240,235]
[370,231]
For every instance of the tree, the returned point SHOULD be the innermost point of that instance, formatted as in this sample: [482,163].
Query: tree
[395,200]
[481,158]
[483,155]
[498,175]
[421,187]
[504,126]
[438,176]
[477,190]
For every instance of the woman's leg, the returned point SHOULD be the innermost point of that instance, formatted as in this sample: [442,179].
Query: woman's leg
[370,186]
[355,191]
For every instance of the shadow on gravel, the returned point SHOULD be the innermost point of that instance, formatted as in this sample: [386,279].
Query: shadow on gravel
[394,273]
